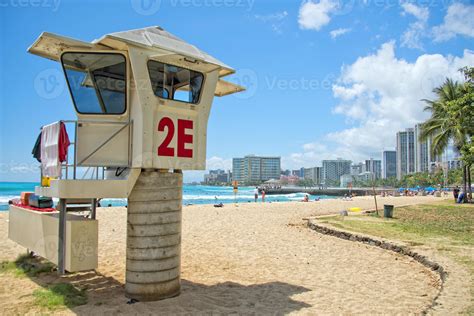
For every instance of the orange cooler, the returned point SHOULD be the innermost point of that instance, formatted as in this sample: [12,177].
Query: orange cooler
[25,197]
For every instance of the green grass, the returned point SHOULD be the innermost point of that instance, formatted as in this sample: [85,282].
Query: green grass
[52,297]
[58,296]
[438,225]
[446,227]
[26,265]
[10,267]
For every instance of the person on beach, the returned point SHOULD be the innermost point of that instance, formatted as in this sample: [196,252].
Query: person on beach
[306,198]
[263,196]
[461,197]
[255,193]
[456,193]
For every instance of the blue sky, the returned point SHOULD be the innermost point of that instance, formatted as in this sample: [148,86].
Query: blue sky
[325,79]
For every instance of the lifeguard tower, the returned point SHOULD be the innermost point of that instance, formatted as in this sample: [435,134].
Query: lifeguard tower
[142,99]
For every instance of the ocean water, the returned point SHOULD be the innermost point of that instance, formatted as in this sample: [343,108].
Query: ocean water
[192,194]
[12,190]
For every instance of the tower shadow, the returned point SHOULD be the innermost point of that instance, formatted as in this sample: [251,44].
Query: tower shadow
[106,295]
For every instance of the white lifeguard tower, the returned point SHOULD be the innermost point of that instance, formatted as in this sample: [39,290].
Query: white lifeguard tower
[142,99]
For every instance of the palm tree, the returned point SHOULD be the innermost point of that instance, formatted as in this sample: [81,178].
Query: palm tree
[444,124]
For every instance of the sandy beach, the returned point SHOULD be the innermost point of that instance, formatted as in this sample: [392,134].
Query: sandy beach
[252,258]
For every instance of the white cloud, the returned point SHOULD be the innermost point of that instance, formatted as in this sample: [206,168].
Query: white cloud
[193,176]
[459,20]
[348,93]
[412,37]
[339,32]
[272,17]
[314,153]
[218,163]
[314,15]
[380,94]
[314,147]
[24,168]
[212,163]
[275,20]
[420,13]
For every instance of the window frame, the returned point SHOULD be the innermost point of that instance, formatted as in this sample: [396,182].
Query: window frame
[174,100]
[96,89]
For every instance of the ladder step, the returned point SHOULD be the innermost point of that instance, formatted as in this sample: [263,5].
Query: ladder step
[78,209]
[79,201]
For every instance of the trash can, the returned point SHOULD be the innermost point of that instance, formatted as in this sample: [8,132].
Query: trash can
[388,211]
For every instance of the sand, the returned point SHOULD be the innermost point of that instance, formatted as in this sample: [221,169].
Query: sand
[250,259]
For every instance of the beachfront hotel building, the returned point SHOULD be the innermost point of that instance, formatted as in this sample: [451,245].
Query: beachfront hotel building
[389,164]
[313,174]
[217,176]
[374,166]
[414,155]
[405,152]
[424,160]
[334,169]
[357,168]
[253,169]
[298,173]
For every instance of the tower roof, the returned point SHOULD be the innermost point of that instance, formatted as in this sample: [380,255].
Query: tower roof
[153,38]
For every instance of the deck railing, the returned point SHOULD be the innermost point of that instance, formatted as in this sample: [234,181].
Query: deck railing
[71,169]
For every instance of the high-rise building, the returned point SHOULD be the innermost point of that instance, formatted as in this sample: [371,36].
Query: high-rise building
[453,164]
[357,168]
[389,164]
[313,174]
[365,176]
[334,169]
[285,172]
[298,173]
[374,166]
[424,160]
[405,152]
[217,176]
[256,169]
[238,173]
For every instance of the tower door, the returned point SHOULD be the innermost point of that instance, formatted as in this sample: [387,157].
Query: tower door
[103,144]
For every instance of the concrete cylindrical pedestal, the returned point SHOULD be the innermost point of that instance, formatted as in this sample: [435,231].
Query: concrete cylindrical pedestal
[154,236]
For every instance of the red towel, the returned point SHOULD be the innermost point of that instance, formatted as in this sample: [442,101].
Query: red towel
[63,143]
[32,208]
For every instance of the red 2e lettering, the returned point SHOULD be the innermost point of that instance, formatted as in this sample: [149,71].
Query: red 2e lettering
[184,138]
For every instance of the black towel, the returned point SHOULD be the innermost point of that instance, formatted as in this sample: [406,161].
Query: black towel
[36,152]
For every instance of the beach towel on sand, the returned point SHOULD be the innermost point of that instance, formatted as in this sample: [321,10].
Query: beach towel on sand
[54,143]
